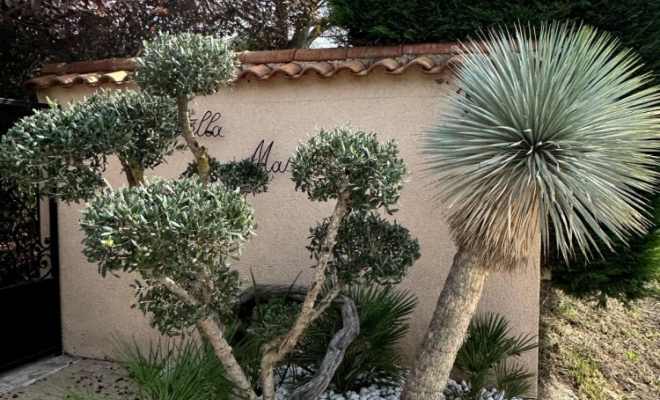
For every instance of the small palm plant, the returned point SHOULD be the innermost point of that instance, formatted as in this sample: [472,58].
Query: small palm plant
[485,360]
[556,127]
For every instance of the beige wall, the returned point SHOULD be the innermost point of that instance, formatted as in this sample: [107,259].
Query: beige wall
[284,110]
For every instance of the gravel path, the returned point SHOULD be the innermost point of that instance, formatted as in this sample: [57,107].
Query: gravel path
[106,379]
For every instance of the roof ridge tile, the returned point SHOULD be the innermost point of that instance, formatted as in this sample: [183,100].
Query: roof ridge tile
[432,58]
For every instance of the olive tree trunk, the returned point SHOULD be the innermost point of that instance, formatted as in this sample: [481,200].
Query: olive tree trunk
[214,332]
[456,306]
[276,350]
[335,354]
[199,152]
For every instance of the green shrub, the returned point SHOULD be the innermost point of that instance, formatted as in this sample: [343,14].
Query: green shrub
[68,149]
[626,273]
[181,370]
[246,175]
[383,313]
[181,236]
[484,359]
[347,157]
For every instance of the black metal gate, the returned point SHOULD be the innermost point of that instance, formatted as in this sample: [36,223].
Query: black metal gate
[30,325]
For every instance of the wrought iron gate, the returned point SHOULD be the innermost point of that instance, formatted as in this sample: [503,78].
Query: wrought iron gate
[30,325]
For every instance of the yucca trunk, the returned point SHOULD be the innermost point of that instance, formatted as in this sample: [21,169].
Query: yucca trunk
[456,306]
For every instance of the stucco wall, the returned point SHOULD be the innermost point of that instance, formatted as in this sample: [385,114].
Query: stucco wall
[282,111]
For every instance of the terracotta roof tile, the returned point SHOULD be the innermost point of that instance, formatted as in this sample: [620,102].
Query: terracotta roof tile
[387,64]
[355,67]
[431,58]
[323,69]
[431,48]
[287,70]
[258,71]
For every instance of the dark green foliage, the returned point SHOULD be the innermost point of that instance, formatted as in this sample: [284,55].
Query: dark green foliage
[625,274]
[383,314]
[484,358]
[185,65]
[174,229]
[273,319]
[348,157]
[368,248]
[246,175]
[425,21]
[257,323]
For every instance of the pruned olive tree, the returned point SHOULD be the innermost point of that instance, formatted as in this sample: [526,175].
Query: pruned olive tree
[360,173]
[557,127]
[181,235]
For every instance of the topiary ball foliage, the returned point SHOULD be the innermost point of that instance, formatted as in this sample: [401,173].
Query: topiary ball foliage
[68,148]
[349,158]
[185,65]
[368,248]
[145,129]
[176,229]
[246,175]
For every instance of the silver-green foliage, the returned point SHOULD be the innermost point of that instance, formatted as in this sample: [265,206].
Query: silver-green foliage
[555,126]
[347,157]
[181,230]
[485,359]
[145,129]
[57,147]
[185,65]
[368,249]
[68,148]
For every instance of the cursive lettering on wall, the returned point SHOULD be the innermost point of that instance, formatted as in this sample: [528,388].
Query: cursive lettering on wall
[261,156]
[208,125]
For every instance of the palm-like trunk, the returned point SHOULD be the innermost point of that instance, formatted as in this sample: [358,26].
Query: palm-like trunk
[456,306]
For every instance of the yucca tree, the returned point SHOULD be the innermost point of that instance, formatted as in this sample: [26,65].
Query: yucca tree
[556,126]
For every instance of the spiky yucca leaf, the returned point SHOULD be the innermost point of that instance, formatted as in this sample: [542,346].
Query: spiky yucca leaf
[556,125]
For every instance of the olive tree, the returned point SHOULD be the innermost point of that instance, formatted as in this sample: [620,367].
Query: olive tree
[360,173]
[557,127]
[181,235]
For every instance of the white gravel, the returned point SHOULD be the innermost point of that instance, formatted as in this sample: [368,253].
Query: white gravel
[390,391]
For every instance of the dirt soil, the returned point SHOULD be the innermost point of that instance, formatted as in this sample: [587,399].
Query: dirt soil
[592,353]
